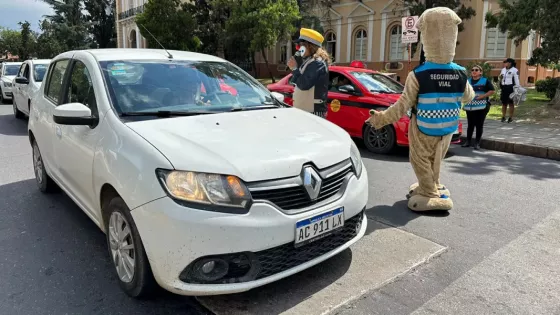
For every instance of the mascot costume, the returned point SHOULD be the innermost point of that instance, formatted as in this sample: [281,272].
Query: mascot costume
[434,93]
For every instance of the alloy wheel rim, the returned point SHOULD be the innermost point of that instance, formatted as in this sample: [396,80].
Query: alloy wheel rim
[378,138]
[37,164]
[121,242]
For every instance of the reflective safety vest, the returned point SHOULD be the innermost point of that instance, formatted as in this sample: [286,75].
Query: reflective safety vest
[441,89]
[479,90]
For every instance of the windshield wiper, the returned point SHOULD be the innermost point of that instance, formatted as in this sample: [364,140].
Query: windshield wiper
[165,113]
[266,106]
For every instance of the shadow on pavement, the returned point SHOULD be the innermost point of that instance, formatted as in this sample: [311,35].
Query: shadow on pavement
[489,162]
[55,258]
[10,126]
[398,215]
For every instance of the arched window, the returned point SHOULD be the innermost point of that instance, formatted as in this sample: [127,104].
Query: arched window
[132,39]
[360,45]
[396,50]
[331,44]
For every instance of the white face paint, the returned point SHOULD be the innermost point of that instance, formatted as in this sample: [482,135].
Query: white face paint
[302,50]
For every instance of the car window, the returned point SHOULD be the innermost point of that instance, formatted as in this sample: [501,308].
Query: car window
[54,86]
[375,82]
[11,70]
[80,87]
[337,80]
[21,70]
[26,71]
[137,85]
[39,71]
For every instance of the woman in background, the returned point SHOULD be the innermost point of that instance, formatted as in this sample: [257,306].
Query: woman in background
[311,74]
[478,108]
[509,78]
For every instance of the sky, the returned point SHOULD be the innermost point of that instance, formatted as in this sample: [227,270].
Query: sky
[14,11]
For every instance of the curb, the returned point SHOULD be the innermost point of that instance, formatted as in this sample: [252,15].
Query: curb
[520,148]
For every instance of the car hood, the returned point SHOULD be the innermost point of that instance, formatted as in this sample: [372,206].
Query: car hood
[254,145]
[8,78]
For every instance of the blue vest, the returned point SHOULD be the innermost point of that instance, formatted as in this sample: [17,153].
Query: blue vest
[441,89]
[478,90]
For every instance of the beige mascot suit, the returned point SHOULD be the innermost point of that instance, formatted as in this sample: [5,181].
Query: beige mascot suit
[434,92]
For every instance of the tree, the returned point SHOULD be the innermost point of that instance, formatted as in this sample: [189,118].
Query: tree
[210,23]
[10,41]
[417,7]
[261,22]
[27,47]
[170,23]
[48,44]
[101,20]
[520,18]
[68,23]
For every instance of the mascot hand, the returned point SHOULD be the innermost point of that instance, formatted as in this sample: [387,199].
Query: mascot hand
[375,119]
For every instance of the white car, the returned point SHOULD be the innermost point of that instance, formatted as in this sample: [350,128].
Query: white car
[201,187]
[7,74]
[27,83]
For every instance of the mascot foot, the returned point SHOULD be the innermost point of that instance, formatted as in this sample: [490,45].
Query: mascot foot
[413,190]
[422,203]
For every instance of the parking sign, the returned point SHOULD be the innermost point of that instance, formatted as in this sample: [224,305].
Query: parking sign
[409,30]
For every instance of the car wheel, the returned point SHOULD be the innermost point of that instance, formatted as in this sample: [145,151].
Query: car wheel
[380,141]
[44,182]
[17,113]
[127,252]
[2,99]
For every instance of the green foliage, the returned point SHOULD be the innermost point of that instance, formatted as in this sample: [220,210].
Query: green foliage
[48,44]
[68,23]
[10,41]
[210,25]
[417,7]
[101,22]
[28,41]
[170,23]
[548,87]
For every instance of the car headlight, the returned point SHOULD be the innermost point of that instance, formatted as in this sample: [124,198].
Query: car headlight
[7,84]
[208,191]
[356,159]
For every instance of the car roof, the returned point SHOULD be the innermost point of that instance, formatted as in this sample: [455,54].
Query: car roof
[41,61]
[344,68]
[108,54]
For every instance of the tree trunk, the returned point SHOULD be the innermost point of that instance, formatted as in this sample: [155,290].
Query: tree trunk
[267,66]
[555,102]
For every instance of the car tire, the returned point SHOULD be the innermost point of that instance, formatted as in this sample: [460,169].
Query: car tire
[2,99]
[43,180]
[124,244]
[379,141]
[17,113]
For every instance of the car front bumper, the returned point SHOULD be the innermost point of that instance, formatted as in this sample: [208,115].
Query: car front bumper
[175,236]
[7,92]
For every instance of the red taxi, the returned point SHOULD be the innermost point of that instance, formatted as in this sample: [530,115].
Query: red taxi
[353,91]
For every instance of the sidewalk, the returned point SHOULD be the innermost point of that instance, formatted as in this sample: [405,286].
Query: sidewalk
[535,140]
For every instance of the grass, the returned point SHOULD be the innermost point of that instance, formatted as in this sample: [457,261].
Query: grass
[534,109]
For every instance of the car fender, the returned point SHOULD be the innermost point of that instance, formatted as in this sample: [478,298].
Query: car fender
[127,162]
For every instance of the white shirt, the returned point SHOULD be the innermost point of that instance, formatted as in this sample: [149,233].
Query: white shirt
[510,76]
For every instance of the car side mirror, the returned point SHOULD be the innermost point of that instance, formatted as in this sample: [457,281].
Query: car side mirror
[347,89]
[278,96]
[22,80]
[75,114]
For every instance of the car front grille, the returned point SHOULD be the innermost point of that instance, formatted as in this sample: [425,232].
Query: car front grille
[287,256]
[296,197]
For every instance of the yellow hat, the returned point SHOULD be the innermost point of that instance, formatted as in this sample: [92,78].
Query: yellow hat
[312,36]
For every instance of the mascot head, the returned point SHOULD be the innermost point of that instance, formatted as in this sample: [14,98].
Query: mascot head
[439,28]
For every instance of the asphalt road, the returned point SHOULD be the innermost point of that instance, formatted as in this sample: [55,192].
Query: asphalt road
[53,259]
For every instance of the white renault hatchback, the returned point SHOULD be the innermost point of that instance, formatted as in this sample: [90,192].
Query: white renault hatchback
[27,83]
[201,187]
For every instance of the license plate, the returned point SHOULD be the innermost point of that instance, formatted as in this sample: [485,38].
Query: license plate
[319,226]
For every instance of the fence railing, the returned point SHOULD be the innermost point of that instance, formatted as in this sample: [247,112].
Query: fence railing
[131,12]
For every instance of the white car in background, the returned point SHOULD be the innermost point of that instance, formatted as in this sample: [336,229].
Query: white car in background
[199,188]
[7,75]
[27,83]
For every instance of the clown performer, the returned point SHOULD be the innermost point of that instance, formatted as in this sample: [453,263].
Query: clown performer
[434,93]
[311,73]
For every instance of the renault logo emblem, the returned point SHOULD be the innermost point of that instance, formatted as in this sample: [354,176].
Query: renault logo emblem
[311,182]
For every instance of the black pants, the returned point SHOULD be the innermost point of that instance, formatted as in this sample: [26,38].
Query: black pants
[475,119]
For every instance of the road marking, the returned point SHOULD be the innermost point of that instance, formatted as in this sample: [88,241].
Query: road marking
[381,256]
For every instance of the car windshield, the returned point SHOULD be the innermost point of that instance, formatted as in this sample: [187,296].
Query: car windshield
[11,69]
[375,82]
[138,86]
[39,72]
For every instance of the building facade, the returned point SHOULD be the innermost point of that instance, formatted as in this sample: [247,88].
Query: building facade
[128,33]
[370,31]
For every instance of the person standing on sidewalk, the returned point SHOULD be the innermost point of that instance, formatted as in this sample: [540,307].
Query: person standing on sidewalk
[479,107]
[509,78]
[312,75]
